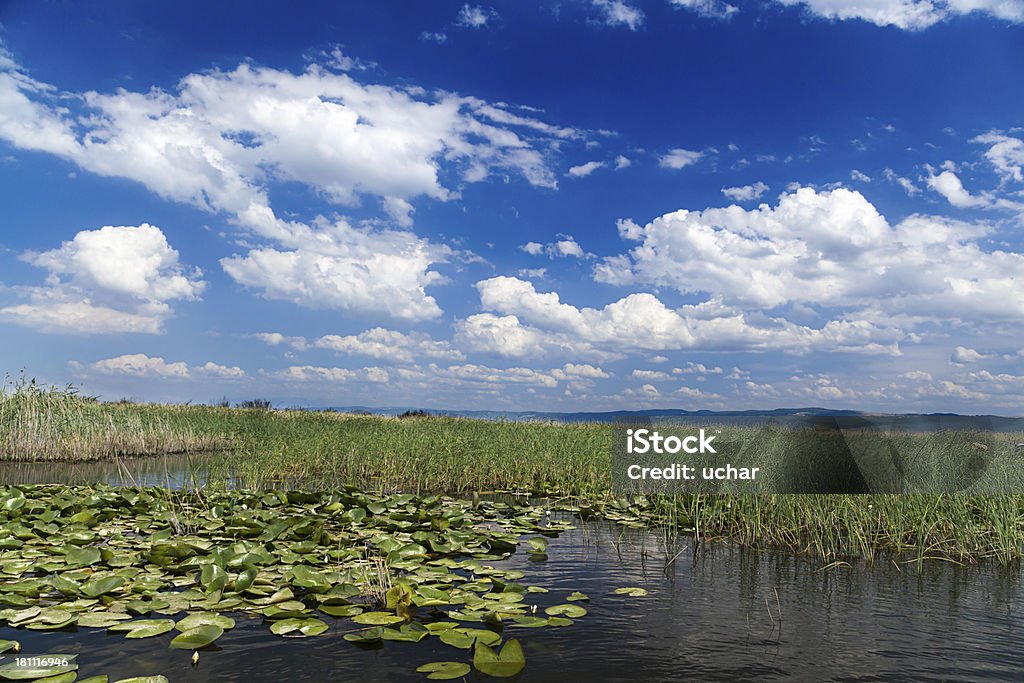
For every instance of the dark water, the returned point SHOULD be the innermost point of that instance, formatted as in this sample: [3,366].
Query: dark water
[721,614]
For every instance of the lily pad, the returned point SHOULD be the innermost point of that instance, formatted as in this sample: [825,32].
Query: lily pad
[632,591]
[341,610]
[577,596]
[197,637]
[504,664]
[298,627]
[377,618]
[444,671]
[572,611]
[205,618]
[54,665]
[102,619]
[146,628]
[365,636]
[98,587]
[68,677]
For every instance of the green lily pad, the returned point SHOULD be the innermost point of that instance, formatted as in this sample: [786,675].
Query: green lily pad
[197,637]
[407,633]
[504,664]
[6,645]
[82,557]
[341,610]
[572,611]
[365,636]
[101,619]
[145,628]
[377,618]
[195,619]
[444,671]
[62,664]
[143,679]
[98,587]
[51,618]
[298,627]
[577,596]
[465,637]
[68,677]
[633,592]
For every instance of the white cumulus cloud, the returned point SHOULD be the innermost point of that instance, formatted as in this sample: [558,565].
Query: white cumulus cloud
[114,279]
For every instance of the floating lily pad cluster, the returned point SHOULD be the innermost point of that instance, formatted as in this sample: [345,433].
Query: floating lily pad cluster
[151,563]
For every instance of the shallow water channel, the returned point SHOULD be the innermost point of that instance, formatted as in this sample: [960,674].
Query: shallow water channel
[722,613]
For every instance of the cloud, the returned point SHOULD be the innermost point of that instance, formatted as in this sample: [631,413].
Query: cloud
[713,9]
[317,374]
[389,344]
[962,354]
[815,249]
[140,365]
[533,272]
[745,193]
[471,16]
[622,162]
[106,281]
[580,371]
[583,170]
[47,314]
[438,37]
[221,371]
[620,13]
[640,322]
[948,184]
[859,176]
[651,375]
[361,270]
[701,369]
[679,158]
[1005,153]
[337,59]
[565,247]
[278,339]
[222,137]
[134,261]
[906,183]
[501,335]
[911,14]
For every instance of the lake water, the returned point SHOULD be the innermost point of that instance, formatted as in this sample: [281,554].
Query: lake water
[722,613]
[172,471]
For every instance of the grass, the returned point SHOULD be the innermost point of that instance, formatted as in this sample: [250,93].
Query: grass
[39,423]
[291,449]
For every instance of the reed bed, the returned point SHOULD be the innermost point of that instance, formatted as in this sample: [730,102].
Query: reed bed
[39,423]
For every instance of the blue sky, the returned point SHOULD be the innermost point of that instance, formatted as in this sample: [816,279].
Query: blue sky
[579,205]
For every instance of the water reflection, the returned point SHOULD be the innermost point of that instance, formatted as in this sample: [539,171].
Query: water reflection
[723,613]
